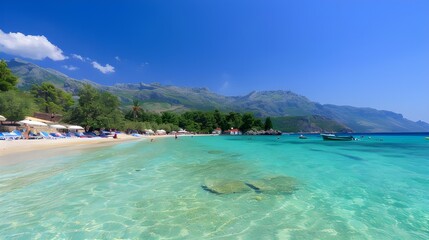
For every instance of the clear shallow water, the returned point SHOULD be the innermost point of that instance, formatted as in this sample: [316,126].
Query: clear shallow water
[375,188]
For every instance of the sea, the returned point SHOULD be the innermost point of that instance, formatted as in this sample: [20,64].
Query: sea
[223,187]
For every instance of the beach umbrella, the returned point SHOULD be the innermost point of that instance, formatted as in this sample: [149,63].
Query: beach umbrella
[34,123]
[149,131]
[161,132]
[2,118]
[38,120]
[75,127]
[57,126]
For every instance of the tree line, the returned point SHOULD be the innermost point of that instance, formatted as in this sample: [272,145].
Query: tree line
[95,109]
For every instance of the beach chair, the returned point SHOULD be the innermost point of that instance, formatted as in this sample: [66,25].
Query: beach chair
[63,135]
[47,136]
[9,136]
[91,135]
[58,135]
[32,135]
[19,133]
[70,135]
[80,135]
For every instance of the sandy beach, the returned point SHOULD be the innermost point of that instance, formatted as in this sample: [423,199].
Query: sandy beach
[15,151]
[18,150]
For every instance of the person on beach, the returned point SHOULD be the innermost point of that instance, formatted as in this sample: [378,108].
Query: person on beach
[26,131]
[175,136]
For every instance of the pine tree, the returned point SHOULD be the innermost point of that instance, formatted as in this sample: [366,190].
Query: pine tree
[8,81]
[268,124]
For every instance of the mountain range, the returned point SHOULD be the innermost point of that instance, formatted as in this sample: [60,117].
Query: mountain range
[158,97]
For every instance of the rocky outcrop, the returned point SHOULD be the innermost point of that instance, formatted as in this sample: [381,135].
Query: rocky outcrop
[262,132]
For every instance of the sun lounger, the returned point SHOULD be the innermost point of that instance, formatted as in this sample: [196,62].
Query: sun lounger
[47,136]
[34,136]
[70,135]
[91,135]
[58,135]
[79,135]
[19,133]
[2,137]
[9,136]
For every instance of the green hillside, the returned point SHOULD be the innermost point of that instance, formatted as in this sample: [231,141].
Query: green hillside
[314,123]
[372,120]
[277,103]
[157,97]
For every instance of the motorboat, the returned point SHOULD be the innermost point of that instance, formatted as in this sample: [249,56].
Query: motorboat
[333,137]
[302,137]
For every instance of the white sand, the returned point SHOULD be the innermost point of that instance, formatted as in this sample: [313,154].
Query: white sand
[11,150]
[14,151]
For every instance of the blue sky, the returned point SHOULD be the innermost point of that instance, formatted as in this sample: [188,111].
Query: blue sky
[362,53]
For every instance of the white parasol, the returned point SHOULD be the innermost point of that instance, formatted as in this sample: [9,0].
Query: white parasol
[34,123]
[2,118]
[57,126]
[75,127]
[149,131]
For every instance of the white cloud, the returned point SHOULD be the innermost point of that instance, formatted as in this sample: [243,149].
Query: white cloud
[225,79]
[29,46]
[77,56]
[70,67]
[225,85]
[117,58]
[106,69]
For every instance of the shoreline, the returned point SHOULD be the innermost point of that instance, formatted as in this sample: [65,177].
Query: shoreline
[16,151]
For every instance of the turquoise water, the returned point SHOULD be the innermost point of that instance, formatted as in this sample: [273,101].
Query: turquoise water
[375,188]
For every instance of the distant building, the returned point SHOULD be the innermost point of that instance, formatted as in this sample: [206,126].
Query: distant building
[217,131]
[233,131]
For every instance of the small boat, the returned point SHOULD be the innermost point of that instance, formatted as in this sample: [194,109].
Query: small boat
[333,137]
[302,137]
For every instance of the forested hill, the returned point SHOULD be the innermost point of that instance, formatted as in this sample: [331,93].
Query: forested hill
[157,97]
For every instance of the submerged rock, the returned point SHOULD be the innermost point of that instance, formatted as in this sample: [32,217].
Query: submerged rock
[274,185]
[225,186]
[215,152]
[256,189]
[209,189]
[258,198]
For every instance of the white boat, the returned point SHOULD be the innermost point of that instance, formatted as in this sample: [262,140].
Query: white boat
[333,137]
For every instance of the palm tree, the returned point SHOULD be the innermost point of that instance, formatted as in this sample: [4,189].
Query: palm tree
[136,109]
